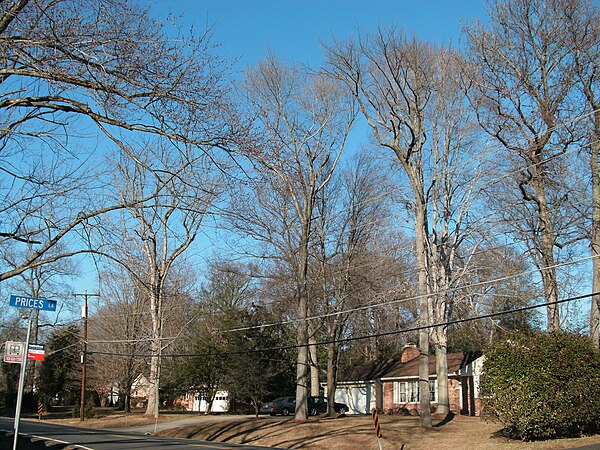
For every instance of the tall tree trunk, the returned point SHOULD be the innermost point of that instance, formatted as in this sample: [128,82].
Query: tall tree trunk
[314,366]
[302,366]
[423,291]
[440,344]
[439,334]
[441,369]
[155,350]
[595,238]
[332,356]
[546,249]
[154,381]
[302,363]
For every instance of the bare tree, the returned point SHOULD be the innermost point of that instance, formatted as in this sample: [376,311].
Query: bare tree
[354,214]
[118,332]
[413,99]
[582,26]
[73,72]
[524,76]
[168,207]
[390,77]
[304,120]
[452,172]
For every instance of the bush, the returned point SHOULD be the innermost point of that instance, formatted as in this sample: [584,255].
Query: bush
[88,410]
[543,387]
[399,411]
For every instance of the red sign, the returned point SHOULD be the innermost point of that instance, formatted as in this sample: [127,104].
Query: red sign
[35,352]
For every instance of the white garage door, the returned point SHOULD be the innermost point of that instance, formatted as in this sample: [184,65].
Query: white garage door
[356,397]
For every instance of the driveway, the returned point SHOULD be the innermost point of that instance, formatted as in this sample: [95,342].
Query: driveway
[199,420]
[64,436]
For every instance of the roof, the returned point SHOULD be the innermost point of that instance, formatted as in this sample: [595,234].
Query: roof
[394,368]
[371,370]
[456,361]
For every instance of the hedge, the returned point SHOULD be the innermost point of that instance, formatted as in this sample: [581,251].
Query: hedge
[543,387]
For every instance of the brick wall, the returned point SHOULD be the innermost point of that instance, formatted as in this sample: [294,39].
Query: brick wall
[409,352]
[455,391]
[184,402]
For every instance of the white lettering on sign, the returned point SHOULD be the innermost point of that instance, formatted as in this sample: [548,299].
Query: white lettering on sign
[28,302]
[32,303]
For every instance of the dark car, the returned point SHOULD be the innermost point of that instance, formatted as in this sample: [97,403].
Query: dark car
[318,405]
[281,405]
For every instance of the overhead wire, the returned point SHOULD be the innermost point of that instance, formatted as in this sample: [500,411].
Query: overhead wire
[354,338]
[365,307]
[392,302]
[315,317]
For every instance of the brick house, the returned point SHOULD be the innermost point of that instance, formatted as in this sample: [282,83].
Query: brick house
[392,385]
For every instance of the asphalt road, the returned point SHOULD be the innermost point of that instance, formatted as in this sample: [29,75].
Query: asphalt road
[95,439]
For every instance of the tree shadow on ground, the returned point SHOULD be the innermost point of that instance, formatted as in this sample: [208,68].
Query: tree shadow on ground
[445,420]
[285,433]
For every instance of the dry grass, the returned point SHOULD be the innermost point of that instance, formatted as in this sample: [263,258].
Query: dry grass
[110,418]
[350,433]
[342,433]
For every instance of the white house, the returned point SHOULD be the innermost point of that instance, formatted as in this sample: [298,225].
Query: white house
[392,385]
[195,401]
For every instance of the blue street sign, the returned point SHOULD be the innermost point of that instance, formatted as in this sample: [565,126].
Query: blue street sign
[22,301]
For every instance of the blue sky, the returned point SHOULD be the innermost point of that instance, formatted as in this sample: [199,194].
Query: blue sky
[247,29]
[294,30]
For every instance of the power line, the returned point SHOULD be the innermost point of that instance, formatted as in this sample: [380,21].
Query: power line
[366,307]
[355,338]
[386,303]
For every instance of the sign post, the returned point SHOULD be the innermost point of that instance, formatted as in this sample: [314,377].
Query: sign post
[84,314]
[377,427]
[30,303]
[22,382]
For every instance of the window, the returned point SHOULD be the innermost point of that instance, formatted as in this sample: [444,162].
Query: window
[432,390]
[408,391]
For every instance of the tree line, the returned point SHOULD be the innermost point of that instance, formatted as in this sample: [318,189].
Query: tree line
[481,178]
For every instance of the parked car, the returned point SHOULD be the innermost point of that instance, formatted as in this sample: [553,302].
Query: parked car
[281,405]
[318,405]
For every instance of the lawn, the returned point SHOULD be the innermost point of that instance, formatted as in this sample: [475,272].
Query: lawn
[351,433]
[342,433]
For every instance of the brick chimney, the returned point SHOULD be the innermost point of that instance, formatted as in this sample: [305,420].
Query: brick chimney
[409,352]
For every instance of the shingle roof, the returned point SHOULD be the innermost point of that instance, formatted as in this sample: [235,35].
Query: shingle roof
[371,370]
[411,369]
[393,367]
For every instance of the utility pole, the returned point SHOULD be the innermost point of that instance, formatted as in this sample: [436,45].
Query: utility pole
[84,314]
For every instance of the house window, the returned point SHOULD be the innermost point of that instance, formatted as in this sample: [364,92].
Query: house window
[408,391]
[432,391]
[397,395]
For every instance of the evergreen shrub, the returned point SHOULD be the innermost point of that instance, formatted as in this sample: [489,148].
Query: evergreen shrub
[544,386]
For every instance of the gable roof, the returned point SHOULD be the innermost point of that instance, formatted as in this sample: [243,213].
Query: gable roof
[371,370]
[394,368]
[456,361]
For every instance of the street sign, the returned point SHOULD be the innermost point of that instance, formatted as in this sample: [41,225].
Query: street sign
[35,352]
[13,352]
[22,301]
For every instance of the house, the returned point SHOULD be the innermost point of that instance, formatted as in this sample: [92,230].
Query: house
[392,385]
[195,401]
[192,400]
[139,391]
[361,388]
